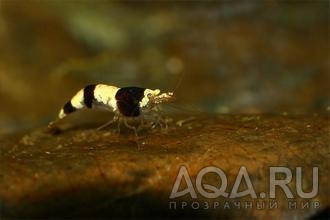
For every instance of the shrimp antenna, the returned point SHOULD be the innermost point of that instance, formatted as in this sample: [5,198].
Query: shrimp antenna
[179,82]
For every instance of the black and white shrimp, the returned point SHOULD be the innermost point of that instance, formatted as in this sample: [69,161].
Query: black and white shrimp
[125,103]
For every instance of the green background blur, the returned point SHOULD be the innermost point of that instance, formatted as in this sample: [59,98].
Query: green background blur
[242,57]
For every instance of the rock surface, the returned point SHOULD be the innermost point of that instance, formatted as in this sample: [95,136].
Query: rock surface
[83,172]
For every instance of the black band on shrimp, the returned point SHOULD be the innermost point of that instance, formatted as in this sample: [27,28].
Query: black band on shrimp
[68,108]
[89,95]
[128,100]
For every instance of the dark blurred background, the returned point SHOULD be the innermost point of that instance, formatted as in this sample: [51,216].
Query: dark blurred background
[232,57]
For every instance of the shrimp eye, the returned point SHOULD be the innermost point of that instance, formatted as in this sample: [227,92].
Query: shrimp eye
[149,95]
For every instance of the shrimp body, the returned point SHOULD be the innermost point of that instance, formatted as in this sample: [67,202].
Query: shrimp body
[127,101]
